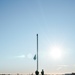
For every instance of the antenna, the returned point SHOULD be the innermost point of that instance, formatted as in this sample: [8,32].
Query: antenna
[37,52]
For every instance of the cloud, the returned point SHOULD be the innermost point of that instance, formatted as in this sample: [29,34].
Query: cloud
[25,56]
[20,56]
[61,66]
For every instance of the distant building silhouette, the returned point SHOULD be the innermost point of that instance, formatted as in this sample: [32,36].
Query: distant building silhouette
[73,73]
[70,74]
[3,74]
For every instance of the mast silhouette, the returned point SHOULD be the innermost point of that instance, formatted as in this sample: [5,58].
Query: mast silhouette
[37,52]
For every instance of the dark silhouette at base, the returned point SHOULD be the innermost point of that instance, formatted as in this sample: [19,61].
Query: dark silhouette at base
[73,74]
[36,72]
[42,72]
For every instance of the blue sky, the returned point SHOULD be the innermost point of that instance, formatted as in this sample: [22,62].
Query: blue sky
[21,20]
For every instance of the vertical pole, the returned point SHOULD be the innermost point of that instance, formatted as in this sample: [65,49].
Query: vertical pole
[37,52]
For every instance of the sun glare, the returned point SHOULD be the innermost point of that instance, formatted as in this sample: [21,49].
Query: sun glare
[56,53]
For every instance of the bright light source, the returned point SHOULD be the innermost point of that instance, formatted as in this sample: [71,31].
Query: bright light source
[56,52]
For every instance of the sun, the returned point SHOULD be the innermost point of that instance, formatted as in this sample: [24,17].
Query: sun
[56,52]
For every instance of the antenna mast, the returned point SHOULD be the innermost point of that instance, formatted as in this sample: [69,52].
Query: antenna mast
[37,52]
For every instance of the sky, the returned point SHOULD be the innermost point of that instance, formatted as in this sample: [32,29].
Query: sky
[52,20]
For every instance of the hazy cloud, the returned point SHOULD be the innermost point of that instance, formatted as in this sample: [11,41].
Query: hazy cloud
[21,56]
[61,66]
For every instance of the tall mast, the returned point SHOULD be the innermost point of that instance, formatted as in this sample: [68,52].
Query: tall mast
[37,52]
